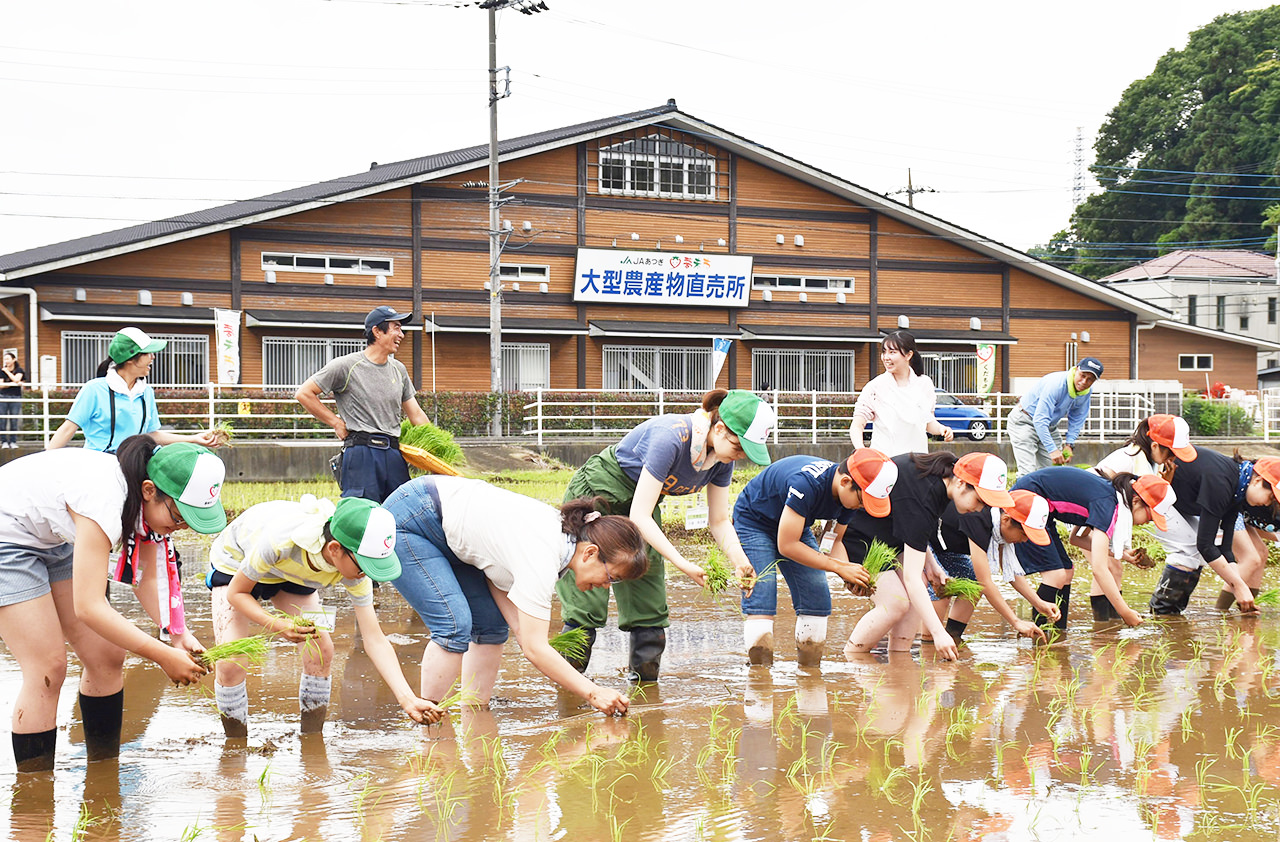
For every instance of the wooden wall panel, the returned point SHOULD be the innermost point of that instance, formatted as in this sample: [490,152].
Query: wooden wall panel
[1026,290]
[207,257]
[941,288]
[1041,346]
[382,214]
[1233,363]
[659,315]
[554,171]
[842,239]
[662,225]
[759,186]
[455,220]
[899,241]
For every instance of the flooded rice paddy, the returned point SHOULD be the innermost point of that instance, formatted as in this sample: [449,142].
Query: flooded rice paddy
[1167,731]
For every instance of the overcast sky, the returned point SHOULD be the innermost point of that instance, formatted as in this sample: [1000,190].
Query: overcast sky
[123,111]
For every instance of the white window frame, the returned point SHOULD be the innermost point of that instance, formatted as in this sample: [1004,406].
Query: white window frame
[329,348]
[523,272]
[656,357]
[185,350]
[767,369]
[1195,362]
[519,356]
[695,160]
[816,283]
[286,262]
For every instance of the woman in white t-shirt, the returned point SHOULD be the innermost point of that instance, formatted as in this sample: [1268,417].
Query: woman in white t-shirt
[900,401]
[61,511]
[478,561]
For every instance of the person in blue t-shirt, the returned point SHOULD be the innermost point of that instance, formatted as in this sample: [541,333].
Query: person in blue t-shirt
[1033,424]
[774,516]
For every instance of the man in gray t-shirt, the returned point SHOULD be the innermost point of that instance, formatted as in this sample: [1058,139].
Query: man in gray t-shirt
[372,390]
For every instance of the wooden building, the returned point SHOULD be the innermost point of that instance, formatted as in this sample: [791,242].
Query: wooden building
[803,269]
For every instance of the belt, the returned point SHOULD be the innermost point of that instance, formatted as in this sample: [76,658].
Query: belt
[381,441]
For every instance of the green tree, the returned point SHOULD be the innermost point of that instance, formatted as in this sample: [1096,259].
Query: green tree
[1188,155]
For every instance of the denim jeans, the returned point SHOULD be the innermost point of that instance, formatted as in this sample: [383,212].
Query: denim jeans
[10,419]
[810,593]
[452,597]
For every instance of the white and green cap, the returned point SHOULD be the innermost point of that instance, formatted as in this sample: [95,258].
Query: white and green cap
[131,342]
[752,421]
[193,477]
[368,531]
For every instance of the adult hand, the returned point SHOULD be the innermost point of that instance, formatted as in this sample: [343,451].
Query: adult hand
[340,429]
[1026,628]
[205,439]
[746,578]
[696,573]
[181,667]
[607,701]
[1048,609]
[1057,458]
[1244,599]
[856,578]
[946,647]
[421,711]
[1130,617]
[1067,453]
[947,433]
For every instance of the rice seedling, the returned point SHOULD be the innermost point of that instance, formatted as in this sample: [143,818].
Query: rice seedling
[879,558]
[1267,598]
[718,573]
[85,821]
[962,589]
[249,650]
[429,437]
[457,697]
[895,775]
[571,644]
[222,433]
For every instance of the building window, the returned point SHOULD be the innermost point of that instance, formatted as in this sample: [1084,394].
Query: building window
[332,263]
[526,366]
[952,372]
[1271,311]
[530,274]
[801,371]
[184,362]
[800,282]
[288,361]
[681,369]
[1271,362]
[1221,312]
[1072,353]
[1244,322]
[1195,362]
[657,165]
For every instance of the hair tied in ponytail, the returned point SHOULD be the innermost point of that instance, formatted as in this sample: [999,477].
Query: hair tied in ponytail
[590,516]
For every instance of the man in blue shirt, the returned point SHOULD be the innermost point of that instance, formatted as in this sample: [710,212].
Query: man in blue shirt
[1033,424]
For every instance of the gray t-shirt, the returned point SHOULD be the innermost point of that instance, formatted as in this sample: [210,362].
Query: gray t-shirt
[661,446]
[370,397]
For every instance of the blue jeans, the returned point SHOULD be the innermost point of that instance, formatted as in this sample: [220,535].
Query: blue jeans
[452,597]
[10,419]
[810,593]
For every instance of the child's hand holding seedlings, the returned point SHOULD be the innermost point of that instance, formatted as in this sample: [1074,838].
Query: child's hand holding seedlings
[422,711]
[293,629]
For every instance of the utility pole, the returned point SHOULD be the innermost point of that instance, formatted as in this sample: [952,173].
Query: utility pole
[912,191]
[527,7]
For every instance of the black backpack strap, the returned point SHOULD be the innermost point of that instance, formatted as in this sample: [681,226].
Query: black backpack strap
[110,448]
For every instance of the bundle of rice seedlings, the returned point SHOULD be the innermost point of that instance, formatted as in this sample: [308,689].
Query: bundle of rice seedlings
[429,437]
[962,589]
[879,558]
[457,697]
[222,433]
[571,644]
[1269,597]
[252,650]
[718,573]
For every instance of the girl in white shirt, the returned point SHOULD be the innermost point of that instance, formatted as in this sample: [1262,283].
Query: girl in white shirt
[900,401]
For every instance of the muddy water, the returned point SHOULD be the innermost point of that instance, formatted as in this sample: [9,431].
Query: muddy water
[1169,731]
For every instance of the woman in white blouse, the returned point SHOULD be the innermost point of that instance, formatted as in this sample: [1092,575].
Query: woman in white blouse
[900,402]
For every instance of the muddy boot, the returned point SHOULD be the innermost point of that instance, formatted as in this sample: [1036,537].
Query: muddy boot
[1048,593]
[233,708]
[1174,589]
[647,645]
[313,702]
[103,717]
[956,629]
[580,664]
[757,634]
[1064,604]
[811,640]
[1226,599]
[34,752]
[1103,610]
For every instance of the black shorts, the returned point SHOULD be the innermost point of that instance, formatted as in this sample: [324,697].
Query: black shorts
[262,590]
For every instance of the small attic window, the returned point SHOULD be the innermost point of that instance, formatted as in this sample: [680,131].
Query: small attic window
[659,166]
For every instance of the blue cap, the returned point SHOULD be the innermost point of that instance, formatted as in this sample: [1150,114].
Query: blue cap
[1090,365]
[379,315]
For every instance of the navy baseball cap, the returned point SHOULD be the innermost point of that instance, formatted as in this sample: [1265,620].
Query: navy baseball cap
[378,315]
[1090,365]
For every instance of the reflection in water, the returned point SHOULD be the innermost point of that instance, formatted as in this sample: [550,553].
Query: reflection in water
[1169,731]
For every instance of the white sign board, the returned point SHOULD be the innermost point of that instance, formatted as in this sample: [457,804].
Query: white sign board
[614,276]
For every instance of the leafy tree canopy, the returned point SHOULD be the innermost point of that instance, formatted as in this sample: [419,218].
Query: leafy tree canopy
[1190,155]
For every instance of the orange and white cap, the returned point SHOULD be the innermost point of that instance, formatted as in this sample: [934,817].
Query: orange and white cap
[1172,432]
[875,474]
[1158,495]
[1032,511]
[1268,467]
[987,473]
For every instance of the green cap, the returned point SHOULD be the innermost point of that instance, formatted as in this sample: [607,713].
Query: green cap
[369,532]
[752,421]
[131,342]
[192,476]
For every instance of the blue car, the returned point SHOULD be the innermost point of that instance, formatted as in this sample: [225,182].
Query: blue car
[966,420]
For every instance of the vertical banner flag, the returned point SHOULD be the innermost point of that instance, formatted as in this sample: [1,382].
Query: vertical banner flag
[227,335]
[986,368]
[719,352]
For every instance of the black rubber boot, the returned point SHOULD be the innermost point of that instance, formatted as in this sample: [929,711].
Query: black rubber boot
[1064,603]
[955,628]
[647,645]
[1174,590]
[1103,610]
[580,664]
[1048,593]
[34,752]
[103,717]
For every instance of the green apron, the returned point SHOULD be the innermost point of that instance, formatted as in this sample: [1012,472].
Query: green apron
[642,603]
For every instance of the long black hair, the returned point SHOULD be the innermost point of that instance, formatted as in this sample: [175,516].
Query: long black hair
[939,463]
[904,343]
[134,454]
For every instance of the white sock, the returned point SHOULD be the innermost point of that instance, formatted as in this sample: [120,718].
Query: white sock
[233,702]
[313,691]
[811,629]
[755,628]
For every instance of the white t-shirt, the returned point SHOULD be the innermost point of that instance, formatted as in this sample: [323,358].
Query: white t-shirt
[898,413]
[36,491]
[1128,459]
[514,539]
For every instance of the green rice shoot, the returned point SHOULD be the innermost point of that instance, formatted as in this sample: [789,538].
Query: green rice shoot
[223,433]
[252,650]
[457,697]
[962,589]
[719,576]
[1269,597]
[879,558]
[571,644]
[429,437]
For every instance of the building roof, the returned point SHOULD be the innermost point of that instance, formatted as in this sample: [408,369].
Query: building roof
[379,179]
[1235,264]
[1260,344]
